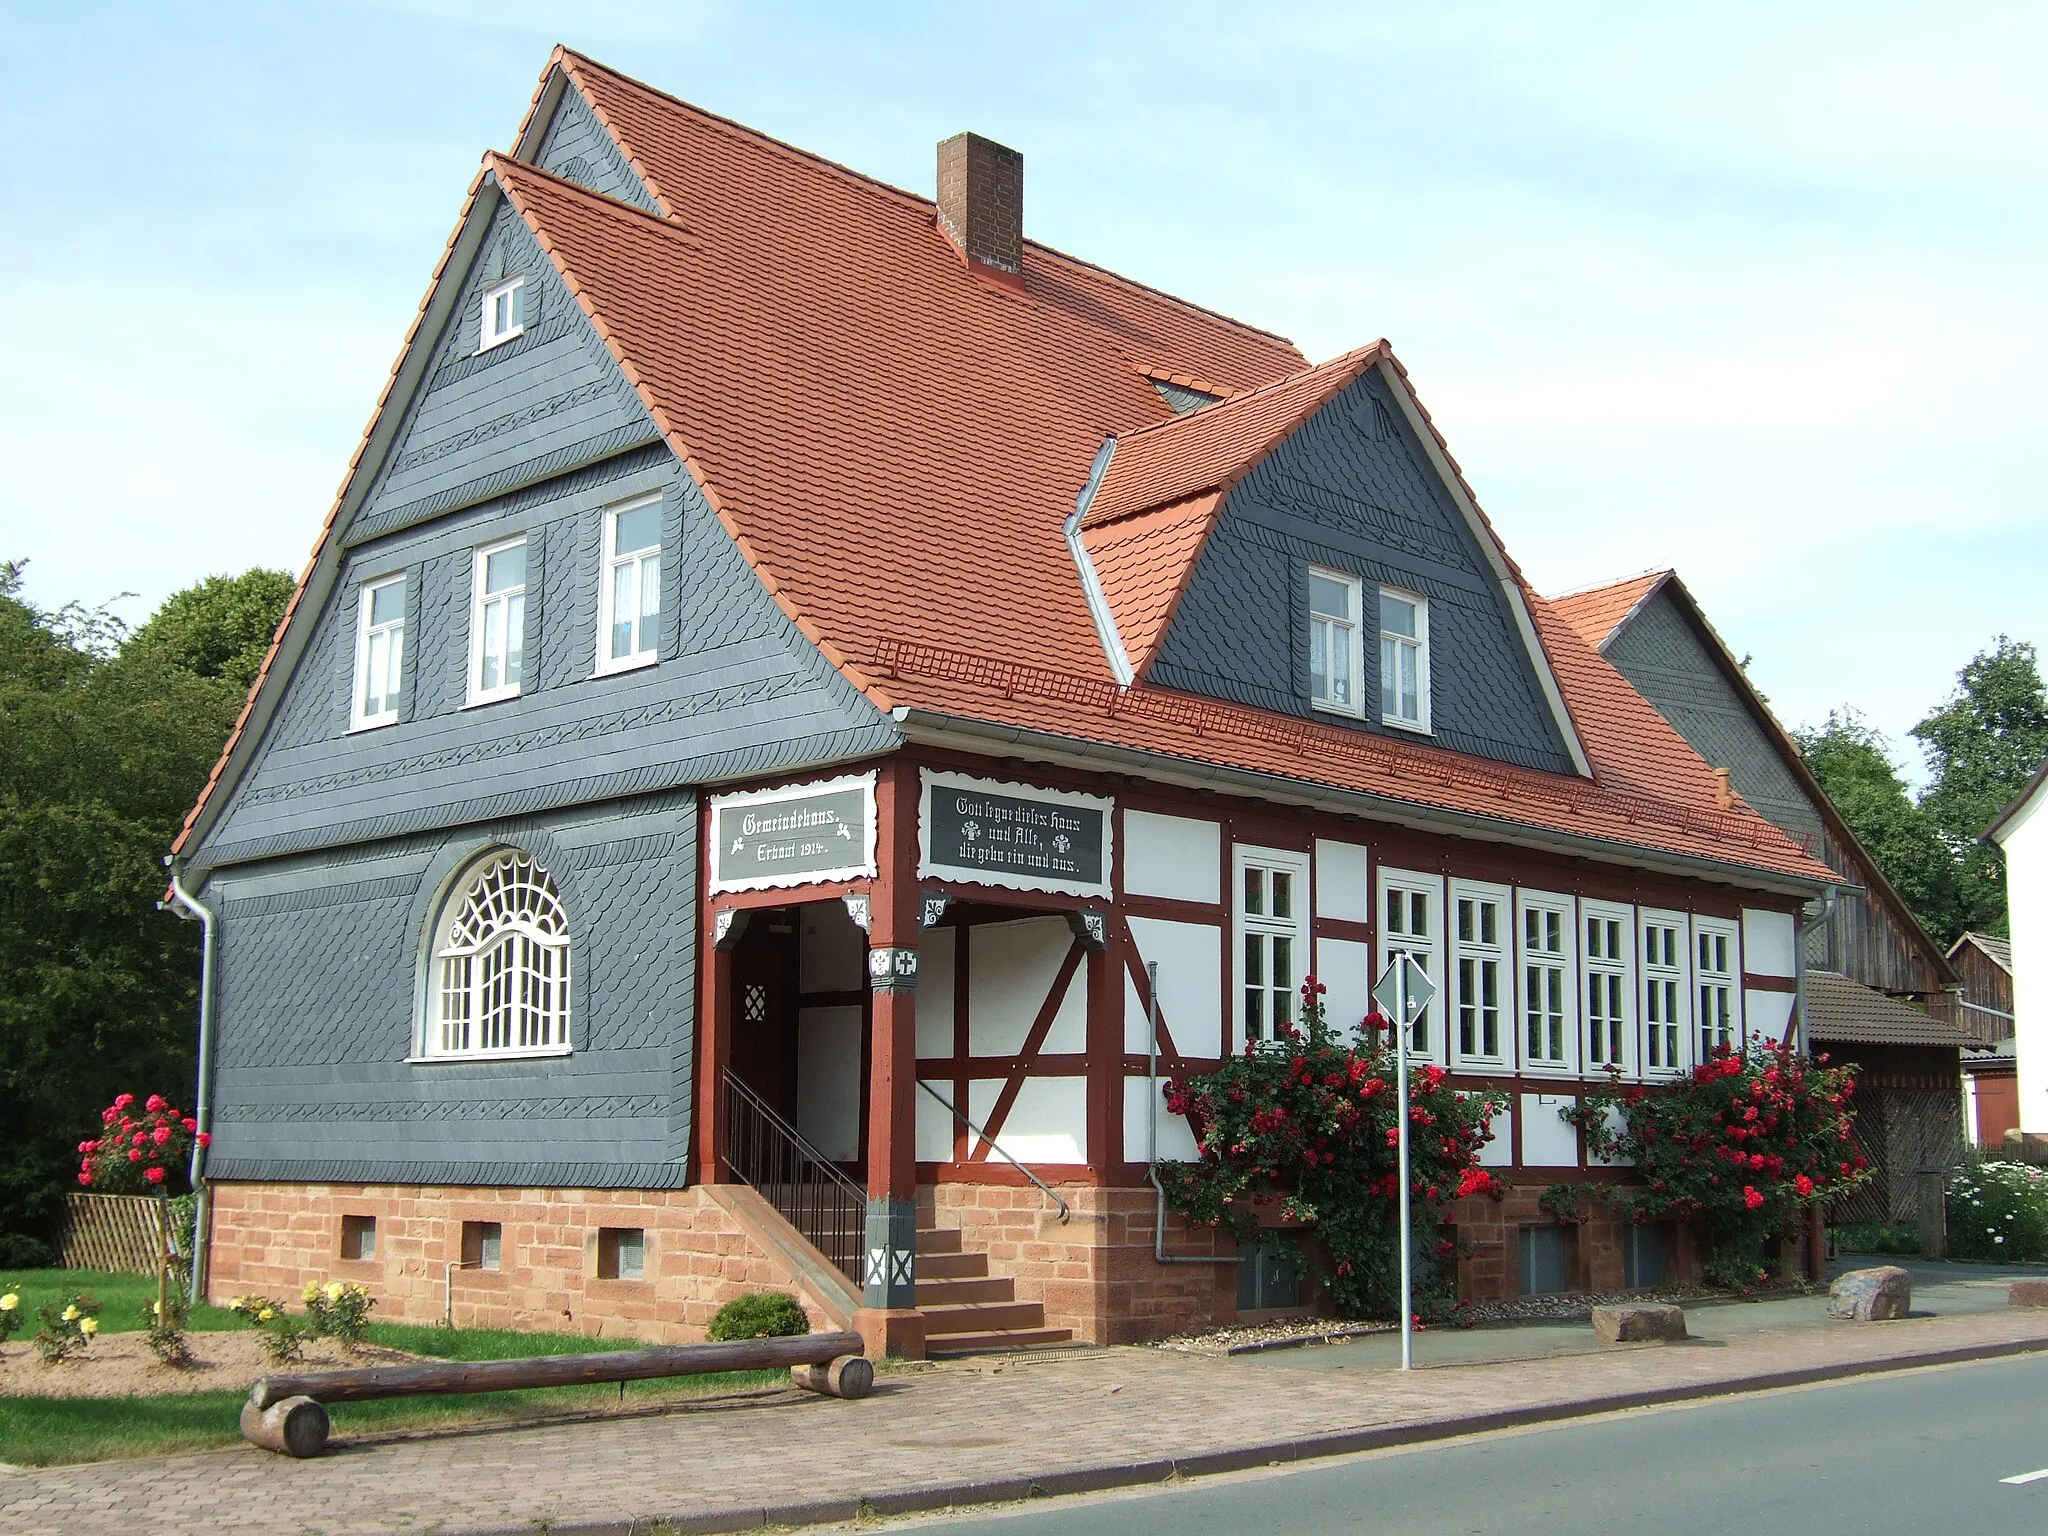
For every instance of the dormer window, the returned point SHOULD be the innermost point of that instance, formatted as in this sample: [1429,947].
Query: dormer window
[1404,659]
[1336,645]
[504,313]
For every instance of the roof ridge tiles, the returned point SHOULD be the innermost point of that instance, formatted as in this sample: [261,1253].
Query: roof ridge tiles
[875,183]
[496,162]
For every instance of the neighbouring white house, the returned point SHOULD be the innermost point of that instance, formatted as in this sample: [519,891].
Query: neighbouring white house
[2021,829]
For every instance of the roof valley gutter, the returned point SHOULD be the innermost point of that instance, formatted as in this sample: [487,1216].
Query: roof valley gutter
[967,735]
[202,1110]
[1091,584]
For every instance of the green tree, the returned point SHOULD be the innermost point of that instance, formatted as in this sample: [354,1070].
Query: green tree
[1981,747]
[104,742]
[1854,765]
[220,628]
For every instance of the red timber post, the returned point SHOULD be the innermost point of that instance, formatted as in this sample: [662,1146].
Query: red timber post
[889,1321]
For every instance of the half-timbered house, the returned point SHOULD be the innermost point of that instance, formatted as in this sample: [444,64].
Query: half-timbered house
[1881,993]
[790,663]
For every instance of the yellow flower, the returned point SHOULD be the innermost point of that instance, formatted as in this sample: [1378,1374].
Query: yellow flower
[9,1302]
[335,1290]
[88,1326]
[266,1314]
[311,1292]
[70,1314]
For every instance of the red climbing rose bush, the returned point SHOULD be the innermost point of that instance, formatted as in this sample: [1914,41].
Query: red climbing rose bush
[1306,1124]
[1742,1148]
[138,1151]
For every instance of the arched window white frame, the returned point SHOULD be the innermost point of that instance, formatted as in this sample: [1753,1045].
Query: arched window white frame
[500,968]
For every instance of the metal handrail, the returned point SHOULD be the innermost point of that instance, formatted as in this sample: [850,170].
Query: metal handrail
[771,1157]
[989,1142]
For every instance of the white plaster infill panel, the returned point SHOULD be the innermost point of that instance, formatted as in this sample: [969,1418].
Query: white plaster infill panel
[802,834]
[1141,1106]
[1177,857]
[1500,1152]
[1343,890]
[1190,957]
[829,1081]
[1016,836]
[1548,1140]
[1767,1013]
[1344,967]
[1010,971]
[1769,943]
[1048,1123]
[1618,1122]
[935,995]
[935,1123]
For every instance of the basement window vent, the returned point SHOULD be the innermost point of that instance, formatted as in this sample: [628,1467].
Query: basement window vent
[482,1244]
[359,1237]
[621,1253]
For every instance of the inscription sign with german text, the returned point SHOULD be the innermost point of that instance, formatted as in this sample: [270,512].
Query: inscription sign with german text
[803,834]
[1015,835]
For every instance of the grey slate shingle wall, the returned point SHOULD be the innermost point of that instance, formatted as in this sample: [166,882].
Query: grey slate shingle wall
[576,148]
[1352,490]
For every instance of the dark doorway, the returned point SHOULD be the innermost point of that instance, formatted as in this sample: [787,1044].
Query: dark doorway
[764,982]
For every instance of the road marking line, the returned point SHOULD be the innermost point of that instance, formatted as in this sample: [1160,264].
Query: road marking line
[2027,1477]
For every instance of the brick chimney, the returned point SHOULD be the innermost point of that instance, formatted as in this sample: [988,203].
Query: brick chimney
[981,202]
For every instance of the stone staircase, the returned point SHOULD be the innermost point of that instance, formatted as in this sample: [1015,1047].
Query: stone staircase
[966,1309]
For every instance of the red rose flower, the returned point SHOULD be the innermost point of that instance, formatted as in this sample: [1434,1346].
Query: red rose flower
[1803,1184]
[1751,1198]
[155,1175]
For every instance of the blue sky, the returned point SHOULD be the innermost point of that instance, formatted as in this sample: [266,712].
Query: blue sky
[1752,293]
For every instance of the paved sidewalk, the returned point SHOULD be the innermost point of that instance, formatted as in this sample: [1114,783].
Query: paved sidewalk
[967,1433]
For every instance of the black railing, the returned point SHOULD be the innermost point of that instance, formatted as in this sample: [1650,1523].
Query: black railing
[763,1151]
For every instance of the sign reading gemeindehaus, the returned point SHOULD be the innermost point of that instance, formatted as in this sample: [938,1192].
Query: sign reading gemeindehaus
[1014,835]
[793,836]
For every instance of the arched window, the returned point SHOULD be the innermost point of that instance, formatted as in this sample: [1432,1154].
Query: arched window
[501,964]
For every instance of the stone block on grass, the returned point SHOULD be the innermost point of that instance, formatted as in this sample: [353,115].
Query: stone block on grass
[1642,1323]
[1871,1295]
[2028,1293]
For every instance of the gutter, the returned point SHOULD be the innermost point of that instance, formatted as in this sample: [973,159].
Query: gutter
[927,728]
[1091,584]
[202,1112]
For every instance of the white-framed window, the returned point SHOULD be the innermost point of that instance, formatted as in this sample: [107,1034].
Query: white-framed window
[504,313]
[380,652]
[1404,659]
[629,596]
[1667,1010]
[1272,938]
[497,627]
[1549,1012]
[1481,1007]
[1336,640]
[1411,923]
[1608,984]
[1717,983]
[500,983]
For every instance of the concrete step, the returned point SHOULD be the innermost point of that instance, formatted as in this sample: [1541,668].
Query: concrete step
[982,1317]
[996,1342]
[936,1291]
[951,1266]
[938,1240]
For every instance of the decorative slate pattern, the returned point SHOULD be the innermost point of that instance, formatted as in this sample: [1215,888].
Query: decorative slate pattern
[1345,491]
[504,1174]
[578,149]
[319,987]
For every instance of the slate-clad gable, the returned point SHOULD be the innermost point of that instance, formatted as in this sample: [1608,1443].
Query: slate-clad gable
[577,148]
[1351,489]
[484,423]
[1661,653]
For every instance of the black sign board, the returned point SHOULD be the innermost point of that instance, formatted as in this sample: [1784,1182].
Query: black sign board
[792,836]
[1015,835]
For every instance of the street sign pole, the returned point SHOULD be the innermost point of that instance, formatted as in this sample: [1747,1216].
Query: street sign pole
[1401,1023]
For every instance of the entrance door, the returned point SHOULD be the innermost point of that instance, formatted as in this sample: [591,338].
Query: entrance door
[764,983]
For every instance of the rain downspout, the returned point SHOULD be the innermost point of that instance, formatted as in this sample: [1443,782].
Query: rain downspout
[1159,1252]
[202,1112]
[1807,929]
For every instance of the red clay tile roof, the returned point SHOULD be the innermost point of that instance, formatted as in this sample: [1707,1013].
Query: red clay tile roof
[1143,562]
[895,446]
[1597,612]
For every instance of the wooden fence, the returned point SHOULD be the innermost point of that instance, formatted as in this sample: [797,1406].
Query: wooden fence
[116,1232]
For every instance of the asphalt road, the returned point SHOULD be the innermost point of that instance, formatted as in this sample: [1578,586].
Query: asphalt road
[1922,1452]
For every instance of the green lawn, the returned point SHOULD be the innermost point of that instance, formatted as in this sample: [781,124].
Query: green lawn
[51,1431]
